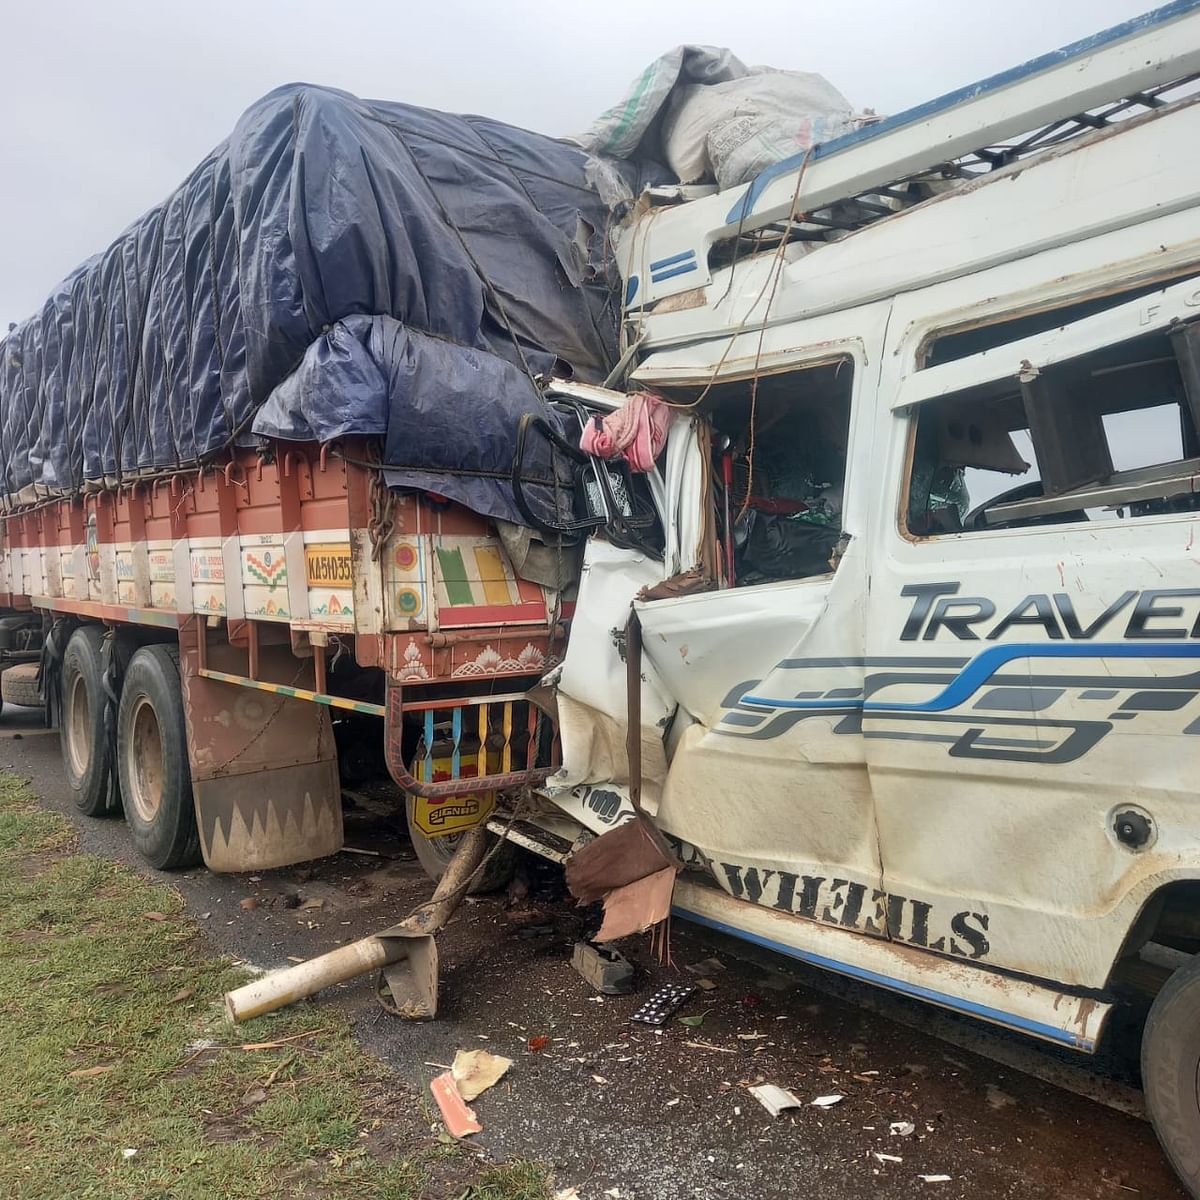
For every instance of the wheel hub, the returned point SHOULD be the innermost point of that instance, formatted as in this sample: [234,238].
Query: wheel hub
[146,777]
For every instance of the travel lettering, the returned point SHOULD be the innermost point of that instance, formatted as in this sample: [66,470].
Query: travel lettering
[938,611]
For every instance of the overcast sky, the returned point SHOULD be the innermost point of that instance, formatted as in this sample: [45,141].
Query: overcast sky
[108,104]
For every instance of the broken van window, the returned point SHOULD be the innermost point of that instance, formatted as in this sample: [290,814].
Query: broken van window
[782,445]
[1106,436]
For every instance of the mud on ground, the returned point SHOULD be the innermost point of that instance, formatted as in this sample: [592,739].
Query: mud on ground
[624,1110]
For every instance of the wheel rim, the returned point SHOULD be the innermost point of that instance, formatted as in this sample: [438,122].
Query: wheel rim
[146,760]
[79,727]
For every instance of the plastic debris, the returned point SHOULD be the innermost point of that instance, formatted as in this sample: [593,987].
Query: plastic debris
[538,1044]
[128,1152]
[663,1003]
[475,1071]
[883,1158]
[934,1178]
[459,1119]
[828,1101]
[774,1098]
[902,1129]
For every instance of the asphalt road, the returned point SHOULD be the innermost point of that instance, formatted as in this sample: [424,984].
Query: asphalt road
[623,1111]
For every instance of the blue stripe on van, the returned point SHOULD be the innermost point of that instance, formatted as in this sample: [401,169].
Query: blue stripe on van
[670,262]
[981,668]
[983,1012]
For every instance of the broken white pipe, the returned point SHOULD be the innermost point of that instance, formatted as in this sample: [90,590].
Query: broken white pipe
[281,988]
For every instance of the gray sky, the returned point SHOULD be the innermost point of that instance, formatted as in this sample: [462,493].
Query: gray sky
[109,103]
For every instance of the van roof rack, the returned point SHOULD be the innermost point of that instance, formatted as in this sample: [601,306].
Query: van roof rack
[1139,66]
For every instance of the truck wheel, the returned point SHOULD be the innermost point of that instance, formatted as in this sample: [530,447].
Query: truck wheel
[19,685]
[434,855]
[84,745]
[156,779]
[1171,1072]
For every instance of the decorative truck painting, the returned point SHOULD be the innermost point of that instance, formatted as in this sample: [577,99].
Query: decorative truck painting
[808,553]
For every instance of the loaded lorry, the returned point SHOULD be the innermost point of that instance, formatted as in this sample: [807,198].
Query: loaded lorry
[836,526]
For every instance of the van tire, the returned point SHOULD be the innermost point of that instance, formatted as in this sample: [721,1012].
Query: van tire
[19,685]
[1171,1072]
[434,855]
[156,777]
[81,735]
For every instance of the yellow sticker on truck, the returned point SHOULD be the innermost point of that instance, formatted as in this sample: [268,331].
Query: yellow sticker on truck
[451,814]
[327,564]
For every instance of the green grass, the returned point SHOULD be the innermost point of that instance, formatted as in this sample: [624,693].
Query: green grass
[89,983]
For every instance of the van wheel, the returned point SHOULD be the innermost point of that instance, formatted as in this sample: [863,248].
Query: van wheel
[1171,1071]
[84,745]
[156,779]
[434,855]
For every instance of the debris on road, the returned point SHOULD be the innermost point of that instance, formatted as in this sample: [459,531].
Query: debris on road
[607,970]
[902,1129]
[537,1044]
[886,1158]
[249,903]
[406,952]
[666,1001]
[934,1178]
[774,1098]
[828,1101]
[475,1071]
[457,1117]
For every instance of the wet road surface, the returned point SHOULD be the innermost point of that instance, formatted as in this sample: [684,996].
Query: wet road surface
[666,1114]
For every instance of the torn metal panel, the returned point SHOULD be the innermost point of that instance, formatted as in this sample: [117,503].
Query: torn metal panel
[591,685]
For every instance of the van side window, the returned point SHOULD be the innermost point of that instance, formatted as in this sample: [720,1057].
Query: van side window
[1109,435]
[782,444]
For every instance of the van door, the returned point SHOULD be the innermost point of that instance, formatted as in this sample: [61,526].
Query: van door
[776,801]
[1032,684]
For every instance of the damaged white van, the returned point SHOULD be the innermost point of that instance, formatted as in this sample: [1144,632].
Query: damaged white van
[885,652]
[920,633]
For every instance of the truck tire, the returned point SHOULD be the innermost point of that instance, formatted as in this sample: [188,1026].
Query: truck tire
[1171,1072]
[84,745]
[19,685]
[434,855]
[156,778]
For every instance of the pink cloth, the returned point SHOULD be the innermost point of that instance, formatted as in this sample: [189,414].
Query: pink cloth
[636,432]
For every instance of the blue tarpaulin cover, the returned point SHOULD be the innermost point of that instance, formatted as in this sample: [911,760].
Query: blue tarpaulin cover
[338,266]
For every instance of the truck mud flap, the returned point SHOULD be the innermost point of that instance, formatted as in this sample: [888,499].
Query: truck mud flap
[264,765]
